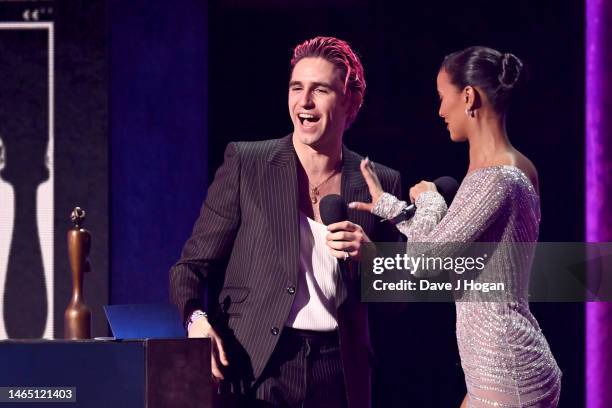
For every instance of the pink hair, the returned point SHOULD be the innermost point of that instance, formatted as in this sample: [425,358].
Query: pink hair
[340,54]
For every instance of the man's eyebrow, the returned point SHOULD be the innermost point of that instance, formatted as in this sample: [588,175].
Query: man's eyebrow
[314,84]
[323,84]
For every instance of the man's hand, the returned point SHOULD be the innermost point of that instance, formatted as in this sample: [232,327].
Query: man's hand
[202,328]
[346,239]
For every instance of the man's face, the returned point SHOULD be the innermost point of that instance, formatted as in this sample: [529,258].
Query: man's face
[317,104]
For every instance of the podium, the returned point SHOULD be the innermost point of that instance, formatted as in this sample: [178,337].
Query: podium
[152,373]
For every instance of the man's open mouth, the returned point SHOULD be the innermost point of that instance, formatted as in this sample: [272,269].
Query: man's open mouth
[307,118]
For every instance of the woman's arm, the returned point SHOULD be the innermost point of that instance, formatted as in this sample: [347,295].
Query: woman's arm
[480,200]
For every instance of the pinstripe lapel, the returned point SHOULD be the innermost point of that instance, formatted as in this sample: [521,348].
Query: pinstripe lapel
[354,187]
[279,198]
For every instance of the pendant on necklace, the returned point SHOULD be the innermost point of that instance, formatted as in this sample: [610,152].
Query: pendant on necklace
[314,192]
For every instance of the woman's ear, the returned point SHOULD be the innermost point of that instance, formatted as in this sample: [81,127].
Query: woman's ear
[468,97]
[471,98]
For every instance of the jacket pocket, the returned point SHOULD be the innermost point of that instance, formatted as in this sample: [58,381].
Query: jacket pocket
[233,294]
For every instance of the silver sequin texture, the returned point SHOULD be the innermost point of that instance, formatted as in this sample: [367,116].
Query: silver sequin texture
[505,357]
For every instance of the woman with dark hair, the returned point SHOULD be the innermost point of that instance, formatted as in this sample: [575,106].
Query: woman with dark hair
[505,358]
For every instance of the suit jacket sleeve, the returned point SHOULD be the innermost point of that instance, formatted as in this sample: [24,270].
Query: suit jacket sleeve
[212,238]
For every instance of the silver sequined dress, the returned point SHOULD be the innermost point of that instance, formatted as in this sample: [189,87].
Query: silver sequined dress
[505,357]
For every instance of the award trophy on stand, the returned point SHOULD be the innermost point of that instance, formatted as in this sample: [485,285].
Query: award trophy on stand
[77,318]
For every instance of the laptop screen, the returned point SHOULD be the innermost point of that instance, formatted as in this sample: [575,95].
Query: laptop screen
[145,321]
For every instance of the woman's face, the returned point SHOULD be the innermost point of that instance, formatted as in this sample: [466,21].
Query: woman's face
[452,107]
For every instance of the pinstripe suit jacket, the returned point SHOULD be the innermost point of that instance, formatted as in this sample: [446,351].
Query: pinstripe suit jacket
[244,247]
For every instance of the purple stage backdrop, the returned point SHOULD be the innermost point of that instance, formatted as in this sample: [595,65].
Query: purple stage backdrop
[599,191]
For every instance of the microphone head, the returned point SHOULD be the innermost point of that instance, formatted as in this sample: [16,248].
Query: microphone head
[332,209]
[447,187]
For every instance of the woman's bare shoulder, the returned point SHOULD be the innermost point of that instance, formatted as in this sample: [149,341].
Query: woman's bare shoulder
[528,168]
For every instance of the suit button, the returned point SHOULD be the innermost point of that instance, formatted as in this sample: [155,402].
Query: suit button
[274,331]
[291,290]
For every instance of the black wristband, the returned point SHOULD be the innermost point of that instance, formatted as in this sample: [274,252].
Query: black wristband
[404,215]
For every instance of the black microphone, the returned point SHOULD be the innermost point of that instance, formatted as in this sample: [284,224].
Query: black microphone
[446,186]
[333,209]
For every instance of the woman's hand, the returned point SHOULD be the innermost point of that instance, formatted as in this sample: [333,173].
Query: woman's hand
[369,174]
[420,188]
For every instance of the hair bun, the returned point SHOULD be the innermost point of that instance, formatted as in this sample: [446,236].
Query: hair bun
[511,68]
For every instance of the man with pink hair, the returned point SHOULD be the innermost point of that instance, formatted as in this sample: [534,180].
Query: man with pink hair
[287,327]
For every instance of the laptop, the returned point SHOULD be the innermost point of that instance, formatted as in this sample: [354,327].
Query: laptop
[144,321]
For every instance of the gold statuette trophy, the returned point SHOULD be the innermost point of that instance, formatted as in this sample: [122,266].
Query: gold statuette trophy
[77,318]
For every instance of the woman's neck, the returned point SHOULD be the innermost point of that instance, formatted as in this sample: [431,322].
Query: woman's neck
[489,143]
